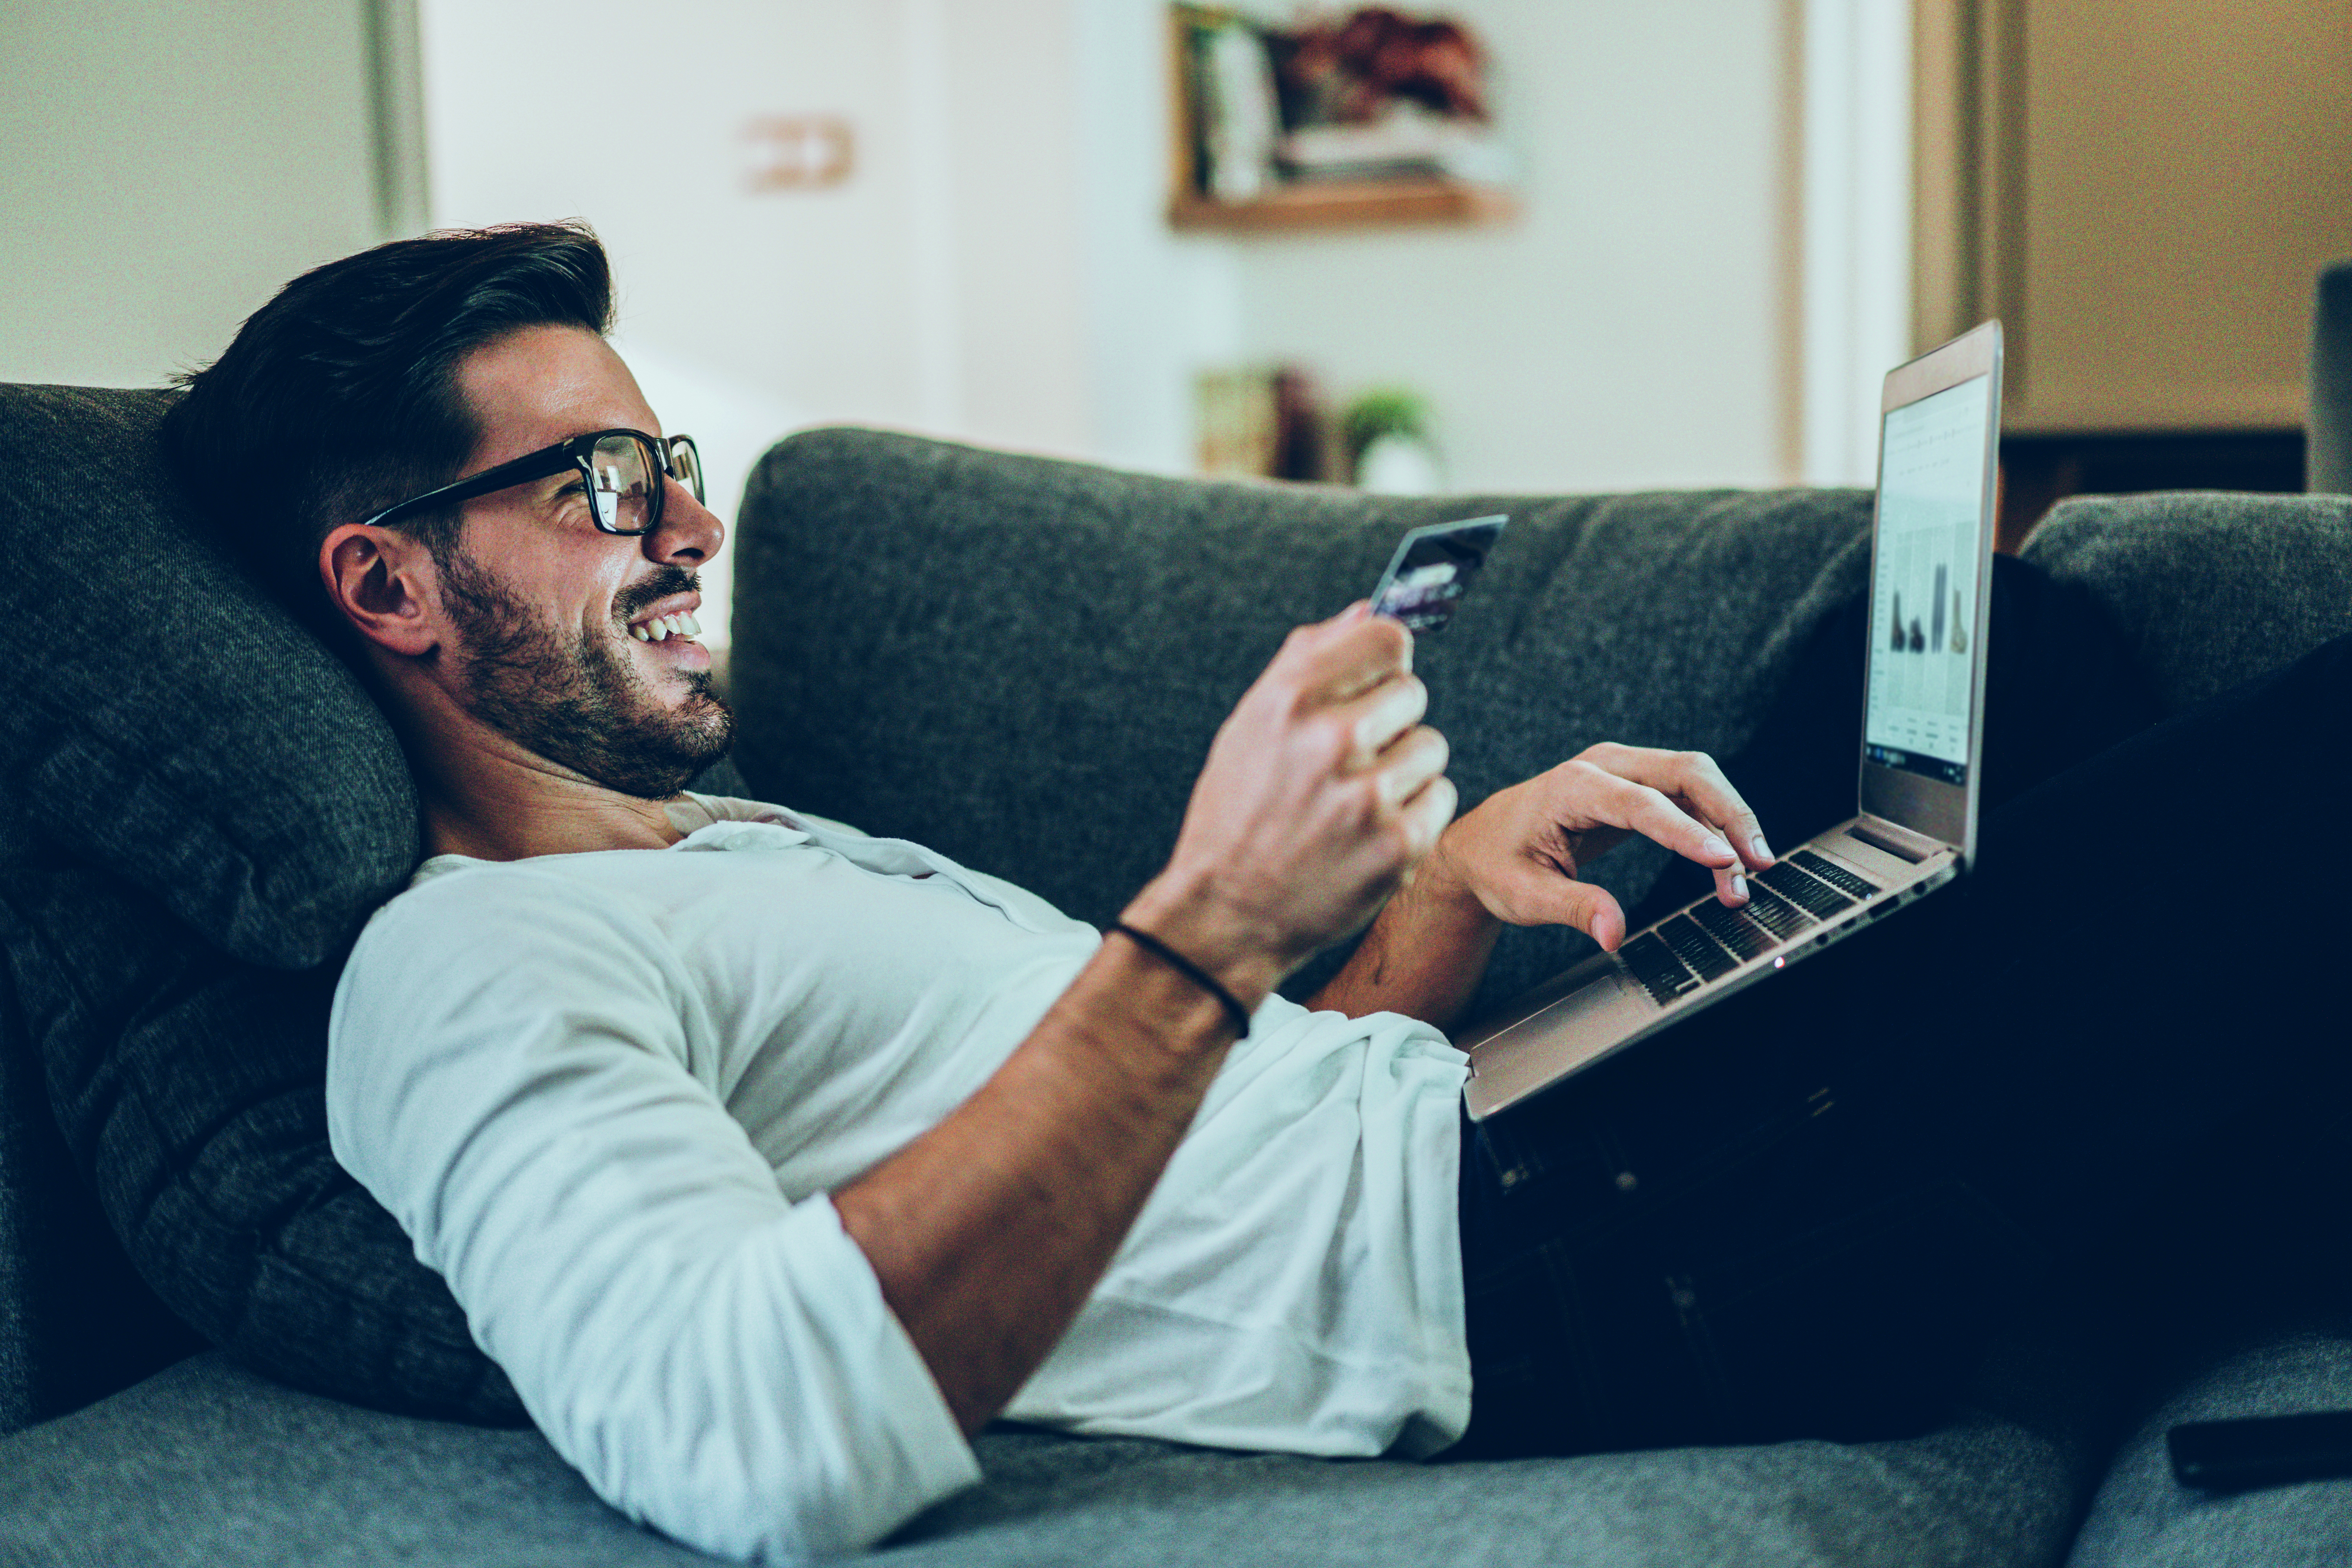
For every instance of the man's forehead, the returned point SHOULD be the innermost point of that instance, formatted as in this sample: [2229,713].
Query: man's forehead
[537,386]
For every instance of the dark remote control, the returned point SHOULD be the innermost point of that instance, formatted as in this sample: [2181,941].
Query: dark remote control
[2262,1451]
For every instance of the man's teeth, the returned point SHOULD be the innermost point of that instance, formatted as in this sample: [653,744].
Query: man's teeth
[661,628]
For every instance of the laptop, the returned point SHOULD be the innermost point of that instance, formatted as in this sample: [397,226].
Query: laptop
[1915,823]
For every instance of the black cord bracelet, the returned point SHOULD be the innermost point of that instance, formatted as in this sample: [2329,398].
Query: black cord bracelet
[1191,971]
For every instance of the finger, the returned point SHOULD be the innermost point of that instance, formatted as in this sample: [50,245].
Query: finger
[1549,897]
[1378,719]
[1340,657]
[1409,765]
[1698,784]
[1705,788]
[1425,816]
[1646,810]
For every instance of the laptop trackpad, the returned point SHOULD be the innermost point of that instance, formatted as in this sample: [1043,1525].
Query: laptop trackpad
[1517,1061]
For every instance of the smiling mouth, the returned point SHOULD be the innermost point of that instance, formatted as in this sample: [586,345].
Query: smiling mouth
[661,628]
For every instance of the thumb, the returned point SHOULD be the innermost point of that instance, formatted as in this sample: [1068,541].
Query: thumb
[1596,913]
[1556,898]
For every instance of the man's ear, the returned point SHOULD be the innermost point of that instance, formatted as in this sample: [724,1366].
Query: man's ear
[383,581]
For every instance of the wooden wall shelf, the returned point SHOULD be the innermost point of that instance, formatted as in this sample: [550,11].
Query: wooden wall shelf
[1371,204]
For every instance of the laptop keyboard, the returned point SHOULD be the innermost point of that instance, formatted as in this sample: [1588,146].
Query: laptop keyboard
[1707,940]
[1835,875]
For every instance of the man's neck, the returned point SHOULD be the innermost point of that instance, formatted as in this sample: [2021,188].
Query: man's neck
[488,830]
[487,798]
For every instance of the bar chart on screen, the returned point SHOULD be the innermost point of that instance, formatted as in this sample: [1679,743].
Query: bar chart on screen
[1925,622]
[1923,579]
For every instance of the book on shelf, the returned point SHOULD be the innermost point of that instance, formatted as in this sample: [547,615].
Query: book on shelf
[1362,106]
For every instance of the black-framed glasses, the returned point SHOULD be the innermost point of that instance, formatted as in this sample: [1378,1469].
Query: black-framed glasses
[622,470]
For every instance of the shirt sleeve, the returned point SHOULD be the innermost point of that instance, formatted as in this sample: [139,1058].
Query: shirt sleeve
[507,1074]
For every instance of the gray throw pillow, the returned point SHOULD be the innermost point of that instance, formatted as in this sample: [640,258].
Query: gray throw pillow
[171,724]
[202,808]
[189,1086]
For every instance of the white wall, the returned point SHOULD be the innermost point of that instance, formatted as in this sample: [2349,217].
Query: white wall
[942,286]
[1635,327]
[938,285]
[1856,221]
[163,169]
[999,268]
[1159,306]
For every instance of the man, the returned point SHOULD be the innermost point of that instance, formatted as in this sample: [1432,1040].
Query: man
[771,1161]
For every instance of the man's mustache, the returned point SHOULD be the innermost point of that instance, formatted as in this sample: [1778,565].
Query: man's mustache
[665,582]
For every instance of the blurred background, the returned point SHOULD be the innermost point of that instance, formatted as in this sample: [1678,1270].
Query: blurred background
[1492,244]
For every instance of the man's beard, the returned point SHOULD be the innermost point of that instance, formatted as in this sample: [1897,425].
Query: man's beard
[582,707]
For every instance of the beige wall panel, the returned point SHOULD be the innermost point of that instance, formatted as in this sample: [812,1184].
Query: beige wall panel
[2184,169]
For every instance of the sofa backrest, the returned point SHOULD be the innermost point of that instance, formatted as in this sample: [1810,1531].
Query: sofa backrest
[2212,587]
[1022,661]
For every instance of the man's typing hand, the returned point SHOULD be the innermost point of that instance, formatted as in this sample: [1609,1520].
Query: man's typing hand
[1521,852]
[1321,792]
[1517,860]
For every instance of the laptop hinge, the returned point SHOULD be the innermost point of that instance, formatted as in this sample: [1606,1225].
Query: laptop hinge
[1897,839]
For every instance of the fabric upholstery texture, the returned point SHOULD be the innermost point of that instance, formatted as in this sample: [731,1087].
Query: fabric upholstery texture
[2212,589]
[2142,1519]
[76,1324]
[21,1260]
[1022,661]
[203,807]
[230,1468]
[183,732]
[192,1090]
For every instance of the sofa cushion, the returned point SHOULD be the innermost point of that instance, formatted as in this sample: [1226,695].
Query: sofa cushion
[1020,661]
[180,729]
[2212,589]
[2142,1518]
[189,1089]
[205,1464]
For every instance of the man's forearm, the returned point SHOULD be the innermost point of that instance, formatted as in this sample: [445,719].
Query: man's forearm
[1423,957]
[988,1232]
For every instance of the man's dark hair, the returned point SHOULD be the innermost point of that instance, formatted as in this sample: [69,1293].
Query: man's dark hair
[339,397]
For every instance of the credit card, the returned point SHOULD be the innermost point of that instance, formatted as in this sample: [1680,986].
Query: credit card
[1431,570]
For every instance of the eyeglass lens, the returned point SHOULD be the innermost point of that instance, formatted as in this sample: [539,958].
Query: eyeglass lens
[686,464]
[621,483]
[626,481]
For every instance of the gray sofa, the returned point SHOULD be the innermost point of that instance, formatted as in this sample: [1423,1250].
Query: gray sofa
[214,1351]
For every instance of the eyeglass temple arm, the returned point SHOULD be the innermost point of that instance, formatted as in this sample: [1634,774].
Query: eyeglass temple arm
[522,470]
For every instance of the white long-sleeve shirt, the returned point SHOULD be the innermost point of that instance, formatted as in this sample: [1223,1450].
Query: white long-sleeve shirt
[606,1095]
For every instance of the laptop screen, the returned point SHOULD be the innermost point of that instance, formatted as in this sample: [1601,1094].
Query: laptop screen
[1931,477]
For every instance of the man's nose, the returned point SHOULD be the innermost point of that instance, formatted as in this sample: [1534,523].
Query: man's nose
[690,532]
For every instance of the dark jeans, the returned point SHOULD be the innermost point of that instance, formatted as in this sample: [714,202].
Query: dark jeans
[1803,1212]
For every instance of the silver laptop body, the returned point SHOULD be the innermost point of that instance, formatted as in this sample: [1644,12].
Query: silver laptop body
[1915,827]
